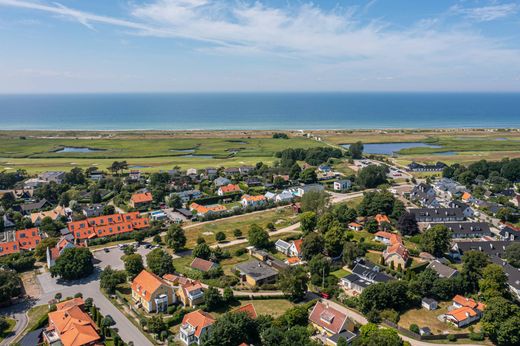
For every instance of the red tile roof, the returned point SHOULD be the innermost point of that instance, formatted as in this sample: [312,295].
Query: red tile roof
[138,198]
[229,188]
[146,283]
[106,225]
[202,264]
[198,320]
[28,238]
[249,309]
[328,318]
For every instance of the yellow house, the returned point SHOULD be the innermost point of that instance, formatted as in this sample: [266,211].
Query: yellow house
[256,273]
[151,292]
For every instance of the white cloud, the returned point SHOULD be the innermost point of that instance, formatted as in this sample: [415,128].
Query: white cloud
[339,44]
[486,13]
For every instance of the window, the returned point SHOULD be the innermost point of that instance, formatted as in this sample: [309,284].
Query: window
[15,247]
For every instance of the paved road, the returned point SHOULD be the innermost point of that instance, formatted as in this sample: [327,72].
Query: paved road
[19,313]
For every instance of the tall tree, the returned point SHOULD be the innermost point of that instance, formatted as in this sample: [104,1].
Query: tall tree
[175,237]
[356,150]
[258,237]
[407,224]
[133,264]
[293,282]
[73,263]
[160,262]
[436,240]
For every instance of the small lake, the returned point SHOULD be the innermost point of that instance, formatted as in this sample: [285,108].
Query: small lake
[196,156]
[77,150]
[191,150]
[392,148]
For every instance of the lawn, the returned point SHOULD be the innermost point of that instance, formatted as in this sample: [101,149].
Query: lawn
[340,273]
[426,318]
[35,314]
[273,307]
[279,217]
[163,152]
[11,323]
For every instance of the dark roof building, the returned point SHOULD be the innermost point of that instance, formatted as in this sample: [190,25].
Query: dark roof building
[466,229]
[437,214]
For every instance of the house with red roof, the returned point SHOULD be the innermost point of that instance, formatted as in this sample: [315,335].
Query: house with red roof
[107,225]
[194,326]
[464,311]
[396,255]
[329,321]
[252,201]
[380,218]
[295,250]
[151,292]
[249,309]
[202,264]
[141,200]
[70,325]
[56,251]
[20,240]
[227,189]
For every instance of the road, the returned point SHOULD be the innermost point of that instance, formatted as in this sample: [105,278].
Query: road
[19,313]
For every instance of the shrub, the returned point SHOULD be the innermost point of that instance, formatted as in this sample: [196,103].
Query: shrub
[452,338]
[476,336]
[414,328]
[390,315]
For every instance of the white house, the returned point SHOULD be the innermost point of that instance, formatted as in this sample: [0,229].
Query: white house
[341,185]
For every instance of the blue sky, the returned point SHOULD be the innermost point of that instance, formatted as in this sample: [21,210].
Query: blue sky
[285,45]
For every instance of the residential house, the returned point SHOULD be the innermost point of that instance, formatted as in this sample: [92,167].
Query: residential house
[429,304]
[232,171]
[207,209]
[418,167]
[244,170]
[52,254]
[252,201]
[256,273]
[191,172]
[221,181]
[437,214]
[188,195]
[107,225]
[54,214]
[93,210]
[467,197]
[70,325]
[465,229]
[296,248]
[248,309]
[515,200]
[363,275]
[228,189]
[194,326]
[190,293]
[425,195]
[380,218]
[141,200]
[466,209]
[52,176]
[33,183]
[202,264]
[387,237]
[354,226]
[284,197]
[151,292]
[270,196]
[341,185]
[495,248]
[449,187]
[329,321]
[210,172]
[396,255]
[324,168]
[299,191]
[20,240]
[134,175]
[442,270]
[8,223]
[253,181]
[466,311]
[158,215]
[282,246]
[28,208]
[513,276]
[510,232]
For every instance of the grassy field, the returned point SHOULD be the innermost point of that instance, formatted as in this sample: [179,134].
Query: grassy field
[273,307]
[279,217]
[37,153]
[11,323]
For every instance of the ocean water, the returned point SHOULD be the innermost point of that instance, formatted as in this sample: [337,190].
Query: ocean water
[259,111]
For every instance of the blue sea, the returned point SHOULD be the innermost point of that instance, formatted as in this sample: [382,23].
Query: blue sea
[213,111]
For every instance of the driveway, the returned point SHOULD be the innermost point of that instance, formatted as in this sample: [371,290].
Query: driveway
[113,257]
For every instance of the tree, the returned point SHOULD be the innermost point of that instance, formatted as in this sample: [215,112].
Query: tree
[220,236]
[493,282]
[10,285]
[237,233]
[228,296]
[3,325]
[498,311]
[40,252]
[407,224]
[473,262]
[376,202]
[133,264]
[156,324]
[316,201]
[258,237]
[334,239]
[174,201]
[319,267]
[308,221]
[295,171]
[372,176]
[110,278]
[175,237]
[312,245]
[160,262]
[436,240]
[73,263]
[513,254]
[231,329]
[371,226]
[509,332]
[293,282]
[202,250]
[356,150]
[109,209]
[308,176]
[139,236]
[212,298]
[351,251]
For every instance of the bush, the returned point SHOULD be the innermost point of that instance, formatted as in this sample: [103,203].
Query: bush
[452,338]
[414,328]
[476,336]
[390,315]
[240,252]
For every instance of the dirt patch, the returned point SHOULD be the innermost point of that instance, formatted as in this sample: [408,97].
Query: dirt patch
[31,284]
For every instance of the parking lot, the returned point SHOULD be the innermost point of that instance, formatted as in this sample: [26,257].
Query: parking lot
[113,256]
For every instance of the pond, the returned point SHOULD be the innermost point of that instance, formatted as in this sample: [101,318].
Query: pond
[191,150]
[77,150]
[391,148]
